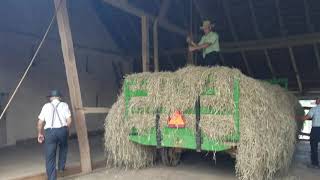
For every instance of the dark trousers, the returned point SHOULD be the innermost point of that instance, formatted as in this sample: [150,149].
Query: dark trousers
[53,138]
[211,59]
[314,140]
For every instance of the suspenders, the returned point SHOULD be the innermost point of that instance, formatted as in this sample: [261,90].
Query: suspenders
[55,111]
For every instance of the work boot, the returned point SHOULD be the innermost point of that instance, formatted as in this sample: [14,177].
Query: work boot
[60,173]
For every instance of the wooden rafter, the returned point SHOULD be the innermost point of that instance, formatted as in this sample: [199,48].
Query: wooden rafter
[260,36]
[292,57]
[246,63]
[295,68]
[125,6]
[311,30]
[269,63]
[234,35]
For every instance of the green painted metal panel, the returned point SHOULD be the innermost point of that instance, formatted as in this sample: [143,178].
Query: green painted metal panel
[183,137]
[283,82]
[178,138]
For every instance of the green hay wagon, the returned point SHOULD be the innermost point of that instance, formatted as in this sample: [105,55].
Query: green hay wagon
[171,141]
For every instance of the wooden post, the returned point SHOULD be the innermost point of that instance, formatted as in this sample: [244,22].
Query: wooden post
[190,59]
[145,44]
[155,46]
[190,56]
[73,83]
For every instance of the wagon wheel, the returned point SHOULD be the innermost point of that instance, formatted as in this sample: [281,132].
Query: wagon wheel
[170,157]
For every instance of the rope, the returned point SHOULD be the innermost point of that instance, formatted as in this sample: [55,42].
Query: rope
[31,62]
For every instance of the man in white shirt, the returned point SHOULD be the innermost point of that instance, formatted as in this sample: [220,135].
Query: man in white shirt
[53,129]
[314,115]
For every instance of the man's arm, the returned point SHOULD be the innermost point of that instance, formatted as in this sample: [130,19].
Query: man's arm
[303,118]
[199,47]
[307,117]
[40,127]
[69,121]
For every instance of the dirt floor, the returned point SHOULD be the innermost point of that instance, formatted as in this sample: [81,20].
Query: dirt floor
[27,162]
[202,167]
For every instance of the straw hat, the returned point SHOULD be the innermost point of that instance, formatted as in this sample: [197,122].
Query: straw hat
[206,23]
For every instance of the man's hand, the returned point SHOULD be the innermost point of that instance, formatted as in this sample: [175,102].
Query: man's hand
[192,48]
[40,138]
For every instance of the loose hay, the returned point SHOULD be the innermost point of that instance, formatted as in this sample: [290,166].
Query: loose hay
[267,112]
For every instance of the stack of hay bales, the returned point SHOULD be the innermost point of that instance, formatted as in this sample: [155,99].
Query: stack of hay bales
[267,113]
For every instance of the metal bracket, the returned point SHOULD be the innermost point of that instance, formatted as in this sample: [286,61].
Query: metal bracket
[158,131]
[198,130]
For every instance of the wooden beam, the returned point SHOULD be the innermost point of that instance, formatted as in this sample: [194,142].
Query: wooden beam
[155,46]
[73,83]
[190,57]
[95,110]
[295,68]
[138,12]
[271,43]
[307,95]
[145,44]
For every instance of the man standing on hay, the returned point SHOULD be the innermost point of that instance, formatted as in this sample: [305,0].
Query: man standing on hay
[209,44]
[53,129]
[314,115]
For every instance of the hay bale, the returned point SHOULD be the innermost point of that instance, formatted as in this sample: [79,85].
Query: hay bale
[267,112]
[119,151]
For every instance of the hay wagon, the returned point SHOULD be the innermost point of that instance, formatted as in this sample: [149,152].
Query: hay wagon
[173,136]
